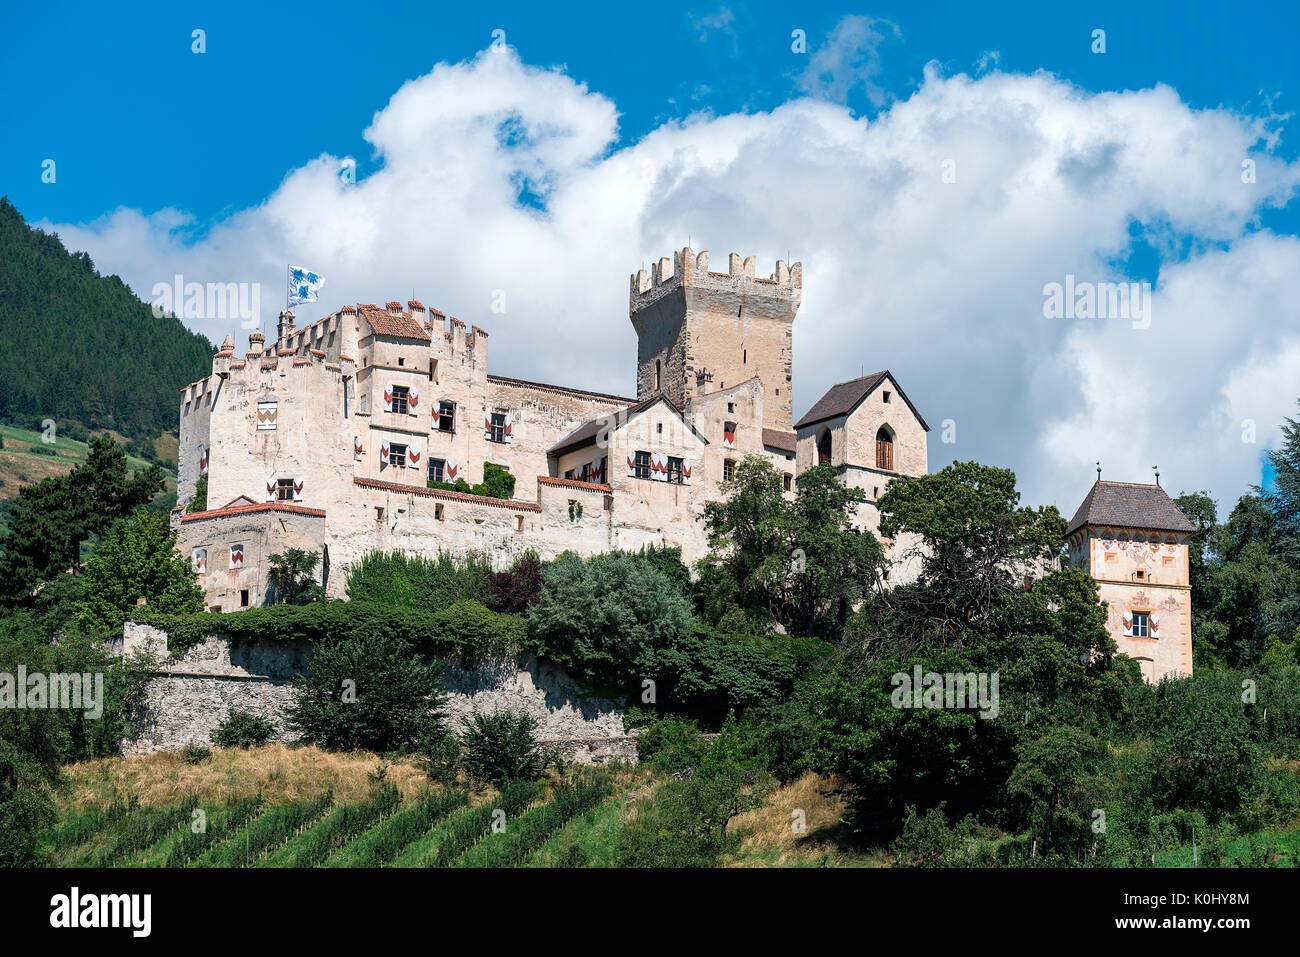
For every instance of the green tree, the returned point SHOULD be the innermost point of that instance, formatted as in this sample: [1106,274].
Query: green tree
[199,500]
[369,692]
[1056,781]
[137,560]
[50,520]
[291,578]
[801,563]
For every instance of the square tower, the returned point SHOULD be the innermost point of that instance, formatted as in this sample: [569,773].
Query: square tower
[1134,540]
[699,332]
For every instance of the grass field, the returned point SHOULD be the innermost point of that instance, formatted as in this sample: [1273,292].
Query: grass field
[27,459]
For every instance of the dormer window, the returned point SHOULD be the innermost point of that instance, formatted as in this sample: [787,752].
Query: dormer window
[885,396]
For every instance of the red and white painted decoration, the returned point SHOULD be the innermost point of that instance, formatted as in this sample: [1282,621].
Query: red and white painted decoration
[236,556]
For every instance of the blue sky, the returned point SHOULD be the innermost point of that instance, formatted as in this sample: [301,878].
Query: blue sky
[109,96]
[605,136]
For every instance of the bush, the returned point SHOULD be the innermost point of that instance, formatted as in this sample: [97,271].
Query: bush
[515,590]
[501,747]
[195,753]
[411,581]
[605,618]
[241,729]
[671,745]
[291,578]
[367,693]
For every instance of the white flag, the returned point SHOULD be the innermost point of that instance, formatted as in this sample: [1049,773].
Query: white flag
[303,285]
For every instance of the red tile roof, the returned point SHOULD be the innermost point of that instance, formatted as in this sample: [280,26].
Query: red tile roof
[400,324]
[573,483]
[246,509]
[777,439]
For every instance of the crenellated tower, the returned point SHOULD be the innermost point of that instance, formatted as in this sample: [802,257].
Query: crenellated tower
[699,331]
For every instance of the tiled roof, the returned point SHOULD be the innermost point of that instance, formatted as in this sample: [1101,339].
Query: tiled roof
[1129,505]
[573,483]
[844,398]
[443,493]
[586,433]
[263,507]
[777,439]
[399,324]
[525,383]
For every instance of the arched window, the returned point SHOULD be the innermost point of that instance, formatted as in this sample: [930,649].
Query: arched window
[885,449]
[824,447]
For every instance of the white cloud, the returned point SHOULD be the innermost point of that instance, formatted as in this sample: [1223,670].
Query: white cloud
[940,282]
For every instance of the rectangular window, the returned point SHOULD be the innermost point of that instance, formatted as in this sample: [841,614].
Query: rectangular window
[674,470]
[437,512]
[243,597]
[284,490]
[785,481]
[1141,624]
[397,455]
[436,467]
[401,398]
[728,470]
[642,465]
[498,431]
[1167,561]
[446,417]
[1112,557]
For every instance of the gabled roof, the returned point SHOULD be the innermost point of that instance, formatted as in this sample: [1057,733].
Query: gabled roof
[1129,505]
[842,399]
[399,324]
[586,433]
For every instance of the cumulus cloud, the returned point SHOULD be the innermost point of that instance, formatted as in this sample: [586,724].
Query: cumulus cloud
[927,235]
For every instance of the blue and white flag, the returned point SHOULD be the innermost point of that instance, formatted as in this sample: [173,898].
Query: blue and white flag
[303,285]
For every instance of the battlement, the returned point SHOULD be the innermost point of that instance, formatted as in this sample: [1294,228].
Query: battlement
[689,268]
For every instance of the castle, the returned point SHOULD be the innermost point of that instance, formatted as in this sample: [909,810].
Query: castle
[328,439]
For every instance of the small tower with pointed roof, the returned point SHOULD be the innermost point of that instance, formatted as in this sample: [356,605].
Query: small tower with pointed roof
[1134,540]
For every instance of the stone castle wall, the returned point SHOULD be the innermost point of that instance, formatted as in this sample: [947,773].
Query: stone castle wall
[190,693]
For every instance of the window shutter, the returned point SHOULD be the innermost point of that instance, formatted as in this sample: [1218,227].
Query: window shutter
[658,466]
[414,455]
[203,460]
[236,556]
[200,558]
[357,447]
[686,471]
[383,454]
[1128,626]
[297,490]
[510,421]
[436,413]
[388,399]
[1153,623]
[413,402]
[487,427]
[270,491]
[449,470]
[728,436]
[631,465]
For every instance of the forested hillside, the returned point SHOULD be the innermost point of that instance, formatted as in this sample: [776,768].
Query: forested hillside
[81,348]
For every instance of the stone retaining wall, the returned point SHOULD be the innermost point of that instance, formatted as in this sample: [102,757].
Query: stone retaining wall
[190,693]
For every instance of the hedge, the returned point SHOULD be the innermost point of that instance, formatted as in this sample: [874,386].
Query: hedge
[466,629]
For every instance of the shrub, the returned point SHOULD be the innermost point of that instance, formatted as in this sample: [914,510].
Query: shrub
[605,618]
[199,501]
[530,831]
[412,581]
[515,590]
[195,753]
[291,578]
[671,745]
[365,693]
[241,729]
[468,829]
[501,747]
